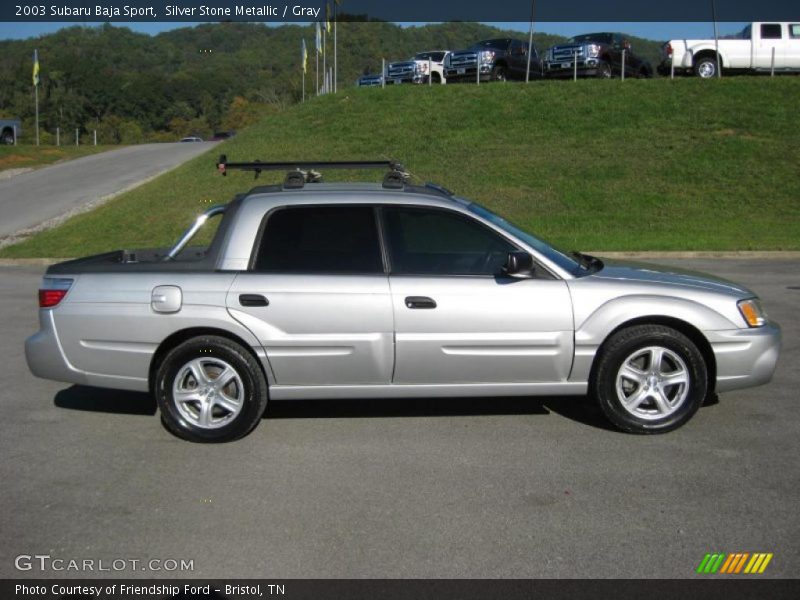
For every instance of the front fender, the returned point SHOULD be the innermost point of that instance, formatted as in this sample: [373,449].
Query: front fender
[608,317]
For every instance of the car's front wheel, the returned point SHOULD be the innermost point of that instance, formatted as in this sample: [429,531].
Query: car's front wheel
[210,389]
[649,379]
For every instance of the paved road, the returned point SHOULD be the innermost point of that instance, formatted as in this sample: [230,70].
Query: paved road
[439,488]
[37,196]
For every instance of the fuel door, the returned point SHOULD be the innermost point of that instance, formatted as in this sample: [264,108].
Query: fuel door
[166,299]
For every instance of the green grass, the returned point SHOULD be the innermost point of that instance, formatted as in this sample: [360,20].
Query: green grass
[600,165]
[30,156]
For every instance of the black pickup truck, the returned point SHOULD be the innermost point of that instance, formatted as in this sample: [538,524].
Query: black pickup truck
[498,60]
[596,55]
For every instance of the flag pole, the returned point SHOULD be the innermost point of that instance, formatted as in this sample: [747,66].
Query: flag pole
[324,59]
[530,44]
[36,90]
[335,53]
[316,59]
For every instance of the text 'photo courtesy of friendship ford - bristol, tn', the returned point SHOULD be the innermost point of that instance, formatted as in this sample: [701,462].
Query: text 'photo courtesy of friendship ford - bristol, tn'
[313,290]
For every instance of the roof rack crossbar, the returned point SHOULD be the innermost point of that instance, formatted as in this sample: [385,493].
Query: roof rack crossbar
[223,165]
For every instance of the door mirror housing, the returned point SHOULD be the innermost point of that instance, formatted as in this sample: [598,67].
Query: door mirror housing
[519,264]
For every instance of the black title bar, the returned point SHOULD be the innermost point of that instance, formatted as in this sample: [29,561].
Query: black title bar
[399,10]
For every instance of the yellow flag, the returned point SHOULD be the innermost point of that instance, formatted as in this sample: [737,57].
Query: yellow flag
[304,55]
[328,17]
[35,67]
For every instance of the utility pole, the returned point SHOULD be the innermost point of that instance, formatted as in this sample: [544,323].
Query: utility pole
[530,44]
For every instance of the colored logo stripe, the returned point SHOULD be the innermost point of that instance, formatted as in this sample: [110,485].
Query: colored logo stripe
[735,563]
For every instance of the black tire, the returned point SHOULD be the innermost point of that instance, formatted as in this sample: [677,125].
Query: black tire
[604,71]
[498,73]
[678,401]
[7,137]
[644,73]
[216,353]
[706,67]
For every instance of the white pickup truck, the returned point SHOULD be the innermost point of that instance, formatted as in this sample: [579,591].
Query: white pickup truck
[758,47]
[415,70]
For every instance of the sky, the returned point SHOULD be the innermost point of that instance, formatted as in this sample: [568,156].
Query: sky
[652,31]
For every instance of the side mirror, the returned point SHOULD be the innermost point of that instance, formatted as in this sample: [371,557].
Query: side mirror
[626,44]
[518,264]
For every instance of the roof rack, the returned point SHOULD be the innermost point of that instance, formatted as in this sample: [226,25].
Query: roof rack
[302,172]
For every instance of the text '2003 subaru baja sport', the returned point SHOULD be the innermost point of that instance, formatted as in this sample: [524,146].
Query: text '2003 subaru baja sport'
[356,290]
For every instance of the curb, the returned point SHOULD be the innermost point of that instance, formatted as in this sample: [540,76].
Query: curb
[736,254]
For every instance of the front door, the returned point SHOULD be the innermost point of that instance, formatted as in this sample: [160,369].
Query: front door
[457,319]
[317,297]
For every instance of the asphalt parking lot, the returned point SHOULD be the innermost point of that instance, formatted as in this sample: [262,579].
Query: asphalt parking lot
[427,488]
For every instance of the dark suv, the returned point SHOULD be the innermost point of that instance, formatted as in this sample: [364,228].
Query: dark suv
[498,60]
[597,55]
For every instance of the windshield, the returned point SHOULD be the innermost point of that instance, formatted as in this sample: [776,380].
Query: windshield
[434,56]
[489,44]
[603,38]
[555,255]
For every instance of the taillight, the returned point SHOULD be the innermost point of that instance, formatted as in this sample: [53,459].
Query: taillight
[53,291]
[668,49]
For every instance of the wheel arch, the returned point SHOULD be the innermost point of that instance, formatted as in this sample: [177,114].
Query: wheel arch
[684,327]
[708,53]
[176,338]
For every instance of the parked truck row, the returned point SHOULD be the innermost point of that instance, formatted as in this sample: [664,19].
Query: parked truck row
[772,47]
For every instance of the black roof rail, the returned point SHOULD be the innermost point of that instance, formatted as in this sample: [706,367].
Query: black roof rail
[301,172]
[438,188]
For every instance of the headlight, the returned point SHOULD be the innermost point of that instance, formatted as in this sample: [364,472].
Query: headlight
[752,312]
[593,50]
[487,56]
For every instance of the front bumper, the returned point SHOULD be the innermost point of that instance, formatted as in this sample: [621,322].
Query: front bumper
[745,357]
[469,74]
[586,68]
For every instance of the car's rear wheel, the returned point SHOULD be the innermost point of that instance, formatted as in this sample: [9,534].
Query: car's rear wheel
[649,379]
[210,389]
[7,137]
[706,68]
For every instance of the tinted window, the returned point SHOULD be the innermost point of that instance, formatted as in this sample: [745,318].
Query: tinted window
[771,31]
[320,239]
[794,30]
[434,56]
[436,242]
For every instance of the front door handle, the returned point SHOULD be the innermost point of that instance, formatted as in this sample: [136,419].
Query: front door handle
[253,300]
[420,302]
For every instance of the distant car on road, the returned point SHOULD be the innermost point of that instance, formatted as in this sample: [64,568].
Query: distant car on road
[497,59]
[370,80]
[222,135]
[415,70]
[192,138]
[596,55]
[7,130]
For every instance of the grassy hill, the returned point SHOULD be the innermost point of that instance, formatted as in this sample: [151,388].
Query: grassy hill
[132,87]
[600,165]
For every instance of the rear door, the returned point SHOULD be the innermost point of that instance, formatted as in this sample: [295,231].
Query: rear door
[771,40]
[317,297]
[792,48]
[457,320]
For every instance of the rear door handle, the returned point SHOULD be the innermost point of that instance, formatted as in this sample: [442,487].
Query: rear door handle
[253,300]
[420,302]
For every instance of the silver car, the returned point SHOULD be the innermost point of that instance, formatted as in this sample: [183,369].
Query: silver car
[352,290]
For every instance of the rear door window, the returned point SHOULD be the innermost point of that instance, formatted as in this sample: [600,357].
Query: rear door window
[771,31]
[320,240]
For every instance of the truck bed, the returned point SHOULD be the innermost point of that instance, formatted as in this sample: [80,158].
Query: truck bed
[138,261]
